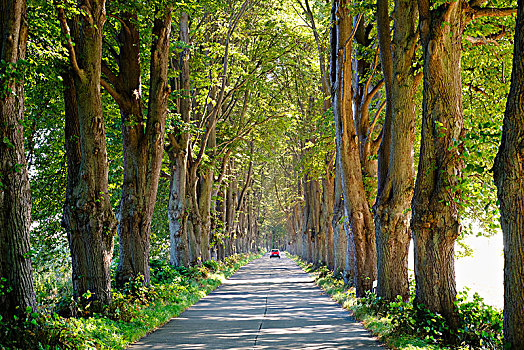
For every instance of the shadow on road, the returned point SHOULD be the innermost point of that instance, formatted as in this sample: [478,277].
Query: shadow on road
[267,304]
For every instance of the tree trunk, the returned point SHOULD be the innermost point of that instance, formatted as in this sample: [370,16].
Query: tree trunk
[230,213]
[179,143]
[194,220]
[143,145]
[363,93]
[396,164]
[204,195]
[437,197]
[355,201]
[88,216]
[509,180]
[328,205]
[340,244]
[350,268]
[17,292]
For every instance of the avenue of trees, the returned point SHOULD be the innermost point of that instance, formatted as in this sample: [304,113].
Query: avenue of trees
[191,131]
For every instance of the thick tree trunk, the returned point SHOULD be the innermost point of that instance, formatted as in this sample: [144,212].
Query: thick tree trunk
[316,196]
[230,214]
[179,143]
[340,244]
[355,201]
[311,229]
[177,216]
[396,170]
[435,222]
[350,267]
[509,179]
[88,216]
[220,238]
[204,196]
[15,195]
[143,145]
[206,188]
[363,71]
[194,220]
[328,206]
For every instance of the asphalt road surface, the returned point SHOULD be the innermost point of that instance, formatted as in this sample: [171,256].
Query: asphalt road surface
[267,304]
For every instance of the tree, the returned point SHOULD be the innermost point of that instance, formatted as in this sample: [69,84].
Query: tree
[222,94]
[178,150]
[435,222]
[347,143]
[326,236]
[510,192]
[396,171]
[88,216]
[16,272]
[437,198]
[143,140]
[199,180]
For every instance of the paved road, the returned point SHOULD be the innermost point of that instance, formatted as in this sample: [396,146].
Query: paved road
[267,304]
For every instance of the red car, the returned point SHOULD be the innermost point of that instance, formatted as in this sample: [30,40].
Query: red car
[275,253]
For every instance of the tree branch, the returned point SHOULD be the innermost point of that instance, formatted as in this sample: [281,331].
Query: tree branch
[477,89]
[119,99]
[111,76]
[373,92]
[375,144]
[223,168]
[375,119]
[69,43]
[493,12]
[485,40]
[353,33]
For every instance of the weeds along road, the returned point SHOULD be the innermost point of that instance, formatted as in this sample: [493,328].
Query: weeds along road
[267,304]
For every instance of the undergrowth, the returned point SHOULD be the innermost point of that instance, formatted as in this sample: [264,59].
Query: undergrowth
[134,311]
[407,326]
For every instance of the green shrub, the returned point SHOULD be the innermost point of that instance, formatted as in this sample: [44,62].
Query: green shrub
[134,310]
[43,331]
[479,325]
[162,272]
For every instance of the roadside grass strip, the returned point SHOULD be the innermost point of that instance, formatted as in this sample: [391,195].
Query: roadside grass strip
[398,324]
[133,313]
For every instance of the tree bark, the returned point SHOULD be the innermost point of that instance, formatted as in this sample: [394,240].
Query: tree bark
[17,292]
[328,207]
[395,158]
[205,193]
[231,204]
[88,216]
[363,93]
[179,143]
[435,223]
[509,179]
[340,244]
[143,142]
[355,201]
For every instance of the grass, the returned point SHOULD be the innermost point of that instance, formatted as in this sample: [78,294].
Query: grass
[159,313]
[380,327]
[131,315]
